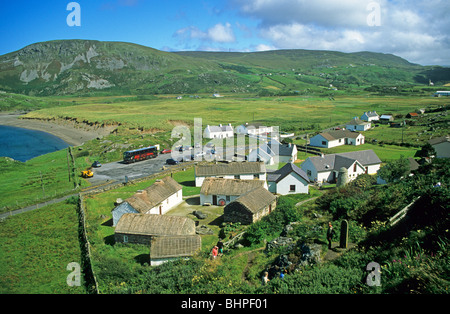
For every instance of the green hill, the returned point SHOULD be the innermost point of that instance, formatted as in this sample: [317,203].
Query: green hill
[86,67]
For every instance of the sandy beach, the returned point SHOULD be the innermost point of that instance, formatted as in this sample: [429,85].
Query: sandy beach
[72,135]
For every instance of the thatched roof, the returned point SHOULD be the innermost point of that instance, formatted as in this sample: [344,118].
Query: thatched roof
[220,186]
[155,225]
[175,246]
[153,195]
[232,168]
[256,200]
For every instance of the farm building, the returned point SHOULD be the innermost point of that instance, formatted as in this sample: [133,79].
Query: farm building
[167,248]
[140,228]
[412,115]
[220,131]
[158,198]
[370,116]
[230,170]
[442,146]
[218,191]
[337,138]
[358,125]
[326,168]
[254,129]
[250,207]
[386,118]
[290,179]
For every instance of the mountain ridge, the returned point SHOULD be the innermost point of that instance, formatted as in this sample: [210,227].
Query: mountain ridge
[85,66]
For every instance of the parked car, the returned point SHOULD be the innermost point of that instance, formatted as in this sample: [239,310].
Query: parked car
[96,164]
[166,151]
[172,161]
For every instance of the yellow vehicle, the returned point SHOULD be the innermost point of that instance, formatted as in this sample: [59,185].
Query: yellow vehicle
[87,173]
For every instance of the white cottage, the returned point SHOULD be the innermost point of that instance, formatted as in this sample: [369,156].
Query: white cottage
[370,116]
[230,170]
[358,125]
[158,199]
[274,152]
[290,179]
[326,168]
[337,138]
[254,129]
[220,131]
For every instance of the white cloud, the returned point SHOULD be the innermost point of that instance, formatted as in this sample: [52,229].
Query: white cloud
[415,29]
[219,33]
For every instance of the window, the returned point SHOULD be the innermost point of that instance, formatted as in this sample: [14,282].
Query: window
[256,176]
[292,188]
[324,143]
[228,198]
[237,176]
[309,173]
[125,239]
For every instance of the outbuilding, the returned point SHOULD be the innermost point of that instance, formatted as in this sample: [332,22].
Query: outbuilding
[250,207]
[167,248]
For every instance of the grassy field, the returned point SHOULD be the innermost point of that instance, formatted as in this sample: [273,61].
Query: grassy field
[289,113]
[36,248]
[37,180]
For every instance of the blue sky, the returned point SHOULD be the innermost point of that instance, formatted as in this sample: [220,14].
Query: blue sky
[416,30]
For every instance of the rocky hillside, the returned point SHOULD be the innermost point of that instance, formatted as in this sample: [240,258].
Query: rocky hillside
[85,66]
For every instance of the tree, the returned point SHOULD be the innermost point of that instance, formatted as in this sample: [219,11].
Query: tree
[394,170]
[426,151]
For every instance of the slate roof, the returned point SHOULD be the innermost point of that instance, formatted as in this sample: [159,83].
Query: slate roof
[337,134]
[220,186]
[336,161]
[287,169]
[232,168]
[159,191]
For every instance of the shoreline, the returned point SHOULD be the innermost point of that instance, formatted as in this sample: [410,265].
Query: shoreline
[69,134]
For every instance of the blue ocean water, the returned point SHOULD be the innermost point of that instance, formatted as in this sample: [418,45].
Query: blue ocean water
[23,144]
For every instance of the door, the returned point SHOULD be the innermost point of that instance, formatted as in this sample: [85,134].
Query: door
[214,199]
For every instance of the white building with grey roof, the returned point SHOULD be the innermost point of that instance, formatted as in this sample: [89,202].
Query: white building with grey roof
[325,168]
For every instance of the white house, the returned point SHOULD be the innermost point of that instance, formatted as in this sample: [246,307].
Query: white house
[442,146]
[325,168]
[254,129]
[274,152]
[337,138]
[290,179]
[370,116]
[219,191]
[358,125]
[158,199]
[220,131]
[230,170]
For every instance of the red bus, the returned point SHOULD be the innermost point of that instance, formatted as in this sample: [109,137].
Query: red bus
[140,154]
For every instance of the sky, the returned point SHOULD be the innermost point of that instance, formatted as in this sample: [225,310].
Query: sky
[417,30]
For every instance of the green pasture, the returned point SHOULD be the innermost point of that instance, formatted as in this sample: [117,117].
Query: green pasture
[35,249]
[288,112]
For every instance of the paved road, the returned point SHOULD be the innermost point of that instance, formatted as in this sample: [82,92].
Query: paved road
[116,171]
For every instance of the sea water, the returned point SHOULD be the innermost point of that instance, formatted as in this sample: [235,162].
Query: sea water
[23,144]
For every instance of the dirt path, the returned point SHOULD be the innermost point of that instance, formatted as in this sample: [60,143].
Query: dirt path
[336,251]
